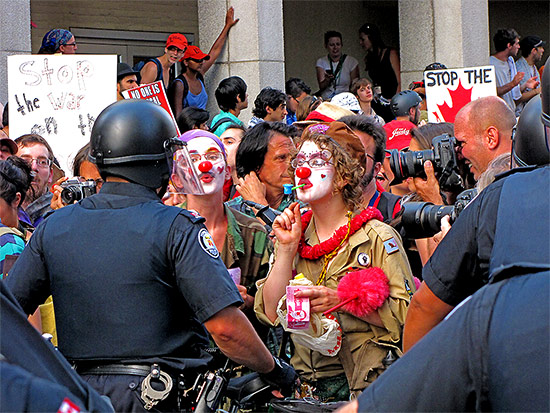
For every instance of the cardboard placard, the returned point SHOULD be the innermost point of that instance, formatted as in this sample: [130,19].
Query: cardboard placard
[448,90]
[59,97]
[153,92]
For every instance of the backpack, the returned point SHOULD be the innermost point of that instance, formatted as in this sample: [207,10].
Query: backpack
[139,65]
[219,122]
[172,90]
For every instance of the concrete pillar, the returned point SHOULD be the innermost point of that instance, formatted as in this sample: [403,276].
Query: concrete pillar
[452,32]
[15,36]
[253,51]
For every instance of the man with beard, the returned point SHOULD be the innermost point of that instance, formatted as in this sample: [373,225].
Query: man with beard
[37,152]
[373,139]
[241,240]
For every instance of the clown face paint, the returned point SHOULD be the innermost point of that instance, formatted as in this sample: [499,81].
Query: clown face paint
[319,181]
[208,159]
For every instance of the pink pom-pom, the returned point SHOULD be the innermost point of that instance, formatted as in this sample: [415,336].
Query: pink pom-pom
[370,288]
[417,283]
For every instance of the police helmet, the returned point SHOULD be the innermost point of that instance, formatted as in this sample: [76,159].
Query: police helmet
[403,101]
[529,146]
[128,142]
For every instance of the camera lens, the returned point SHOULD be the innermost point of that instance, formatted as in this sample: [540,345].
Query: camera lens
[423,219]
[71,194]
[408,164]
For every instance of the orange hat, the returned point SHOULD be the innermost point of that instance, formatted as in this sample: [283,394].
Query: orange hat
[193,52]
[178,40]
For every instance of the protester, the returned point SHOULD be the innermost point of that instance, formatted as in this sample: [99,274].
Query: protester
[336,239]
[58,41]
[192,118]
[232,99]
[262,163]
[231,139]
[36,151]
[336,71]
[126,79]
[307,105]
[188,88]
[158,68]
[362,89]
[532,49]
[269,106]
[295,90]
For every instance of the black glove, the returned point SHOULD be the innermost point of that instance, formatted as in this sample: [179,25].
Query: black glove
[283,376]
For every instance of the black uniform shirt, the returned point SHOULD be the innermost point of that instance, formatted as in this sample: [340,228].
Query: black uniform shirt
[130,277]
[491,354]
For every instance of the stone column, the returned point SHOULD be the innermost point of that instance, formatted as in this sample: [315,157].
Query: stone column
[253,51]
[452,32]
[15,36]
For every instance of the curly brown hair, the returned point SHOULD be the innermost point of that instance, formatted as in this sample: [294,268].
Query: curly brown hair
[348,171]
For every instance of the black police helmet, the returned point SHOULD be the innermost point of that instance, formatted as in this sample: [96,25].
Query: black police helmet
[403,101]
[128,142]
[529,139]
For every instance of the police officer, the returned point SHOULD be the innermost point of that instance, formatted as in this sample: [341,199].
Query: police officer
[133,280]
[505,225]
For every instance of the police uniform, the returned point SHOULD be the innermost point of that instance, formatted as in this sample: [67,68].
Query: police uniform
[490,354]
[377,245]
[127,278]
[507,224]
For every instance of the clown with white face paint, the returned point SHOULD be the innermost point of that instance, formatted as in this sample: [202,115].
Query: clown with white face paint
[242,241]
[337,244]
[314,173]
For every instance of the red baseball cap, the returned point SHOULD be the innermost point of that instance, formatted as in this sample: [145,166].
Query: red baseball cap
[178,40]
[193,52]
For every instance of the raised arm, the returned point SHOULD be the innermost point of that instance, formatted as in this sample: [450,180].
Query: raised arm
[217,47]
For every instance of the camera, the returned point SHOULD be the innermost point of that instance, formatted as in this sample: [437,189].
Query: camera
[75,189]
[443,157]
[423,219]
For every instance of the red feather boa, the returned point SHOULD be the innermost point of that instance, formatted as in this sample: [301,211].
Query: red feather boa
[368,288]
[317,251]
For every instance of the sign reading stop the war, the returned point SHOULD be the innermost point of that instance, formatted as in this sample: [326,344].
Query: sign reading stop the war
[153,92]
[59,97]
[448,90]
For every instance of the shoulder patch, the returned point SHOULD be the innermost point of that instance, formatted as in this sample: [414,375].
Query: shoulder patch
[193,216]
[207,244]
[391,246]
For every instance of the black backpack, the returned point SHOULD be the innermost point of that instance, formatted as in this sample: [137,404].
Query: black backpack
[139,65]
[171,92]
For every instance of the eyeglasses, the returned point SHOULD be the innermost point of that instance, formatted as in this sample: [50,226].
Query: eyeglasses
[41,162]
[70,44]
[176,49]
[196,60]
[317,160]
[370,156]
[210,156]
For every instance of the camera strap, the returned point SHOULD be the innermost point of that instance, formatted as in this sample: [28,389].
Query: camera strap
[336,72]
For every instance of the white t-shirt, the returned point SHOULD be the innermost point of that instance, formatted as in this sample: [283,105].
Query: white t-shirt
[343,81]
[504,73]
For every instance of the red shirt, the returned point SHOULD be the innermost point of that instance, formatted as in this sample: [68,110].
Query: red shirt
[398,132]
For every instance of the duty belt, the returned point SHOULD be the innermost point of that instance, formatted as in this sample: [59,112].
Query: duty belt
[149,395]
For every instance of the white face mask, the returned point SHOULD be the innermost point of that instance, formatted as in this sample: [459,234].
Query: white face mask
[320,182]
[212,173]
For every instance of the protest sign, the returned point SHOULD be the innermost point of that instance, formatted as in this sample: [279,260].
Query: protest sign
[153,92]
[59,97]
[448,90]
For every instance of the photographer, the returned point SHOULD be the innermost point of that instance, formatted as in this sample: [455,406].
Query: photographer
[83,169]
[488,235]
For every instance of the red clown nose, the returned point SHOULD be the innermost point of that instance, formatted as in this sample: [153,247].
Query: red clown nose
[205,166]
[303,172]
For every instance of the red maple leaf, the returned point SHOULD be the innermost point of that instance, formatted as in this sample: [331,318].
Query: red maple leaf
[459,98]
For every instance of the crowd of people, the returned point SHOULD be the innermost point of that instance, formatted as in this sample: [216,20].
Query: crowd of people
[166,244]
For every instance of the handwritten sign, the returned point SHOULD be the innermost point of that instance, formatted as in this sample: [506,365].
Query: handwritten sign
[447,91]
[153,92]
[59,97]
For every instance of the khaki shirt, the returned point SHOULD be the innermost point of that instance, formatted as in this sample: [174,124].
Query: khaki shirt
[385,250]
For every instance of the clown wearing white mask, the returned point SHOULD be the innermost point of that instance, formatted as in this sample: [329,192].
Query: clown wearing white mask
[334,241]
[242,241]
